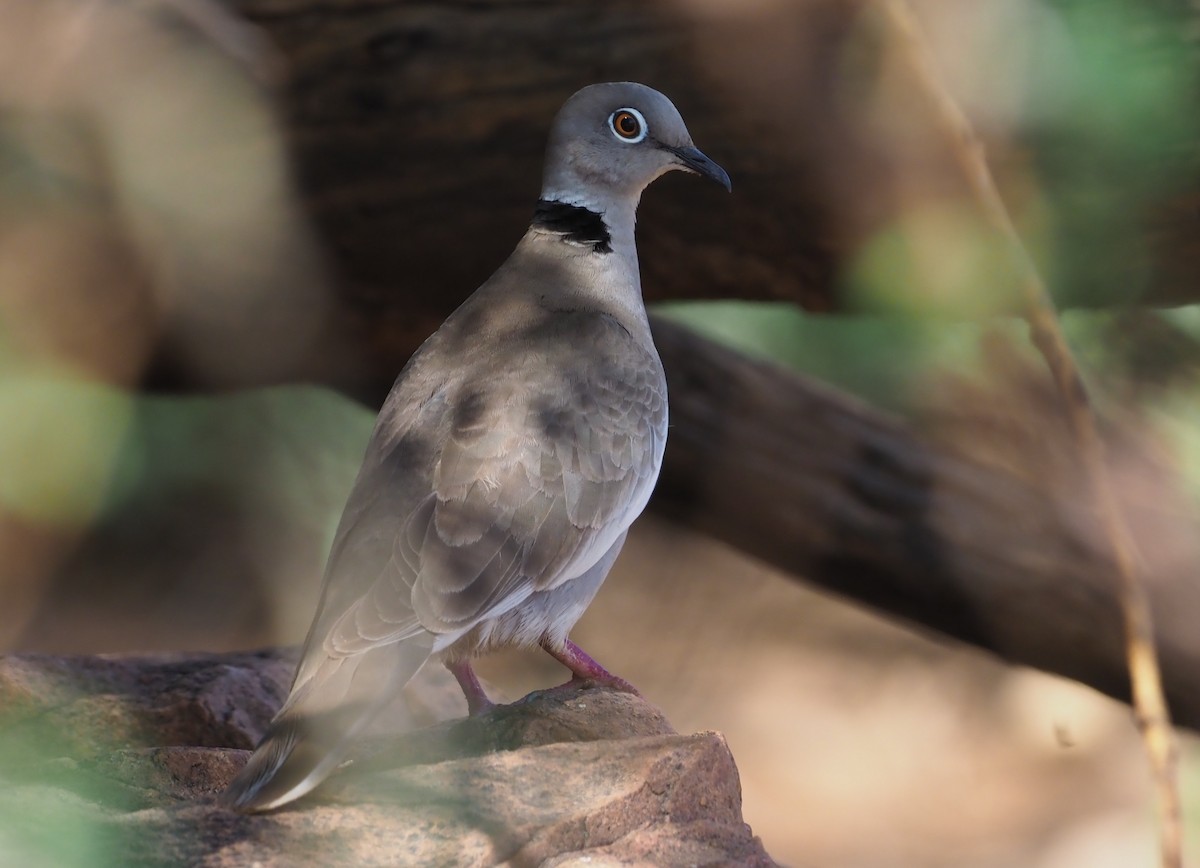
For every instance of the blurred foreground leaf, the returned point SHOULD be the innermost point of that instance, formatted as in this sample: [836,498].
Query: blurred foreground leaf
[58,444]
[52,813]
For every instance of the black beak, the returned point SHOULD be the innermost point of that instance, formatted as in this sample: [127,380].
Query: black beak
[693,160]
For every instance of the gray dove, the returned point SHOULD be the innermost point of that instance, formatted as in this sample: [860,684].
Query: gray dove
[515,449]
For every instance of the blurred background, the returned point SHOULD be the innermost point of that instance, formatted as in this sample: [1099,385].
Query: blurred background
[225,225]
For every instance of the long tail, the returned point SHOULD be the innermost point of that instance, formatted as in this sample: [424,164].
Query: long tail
[312,732]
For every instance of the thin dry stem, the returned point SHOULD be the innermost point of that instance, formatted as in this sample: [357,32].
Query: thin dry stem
[1149,703]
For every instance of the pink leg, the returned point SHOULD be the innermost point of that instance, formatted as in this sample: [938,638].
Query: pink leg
[584,668]
[477,698]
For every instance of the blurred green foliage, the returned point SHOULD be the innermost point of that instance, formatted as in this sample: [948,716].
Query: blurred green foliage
[887,360]
[52,814]
[1122,137]
[877,358]
[277,448]
[58,444]
[41,826]
[75,450]
[1089,112]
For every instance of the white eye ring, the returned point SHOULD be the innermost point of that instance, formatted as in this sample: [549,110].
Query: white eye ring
[643,127]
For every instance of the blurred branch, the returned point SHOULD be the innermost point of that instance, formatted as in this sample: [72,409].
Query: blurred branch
[1152,714]
[823,486]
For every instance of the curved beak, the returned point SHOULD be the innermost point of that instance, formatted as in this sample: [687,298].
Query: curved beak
[693,160]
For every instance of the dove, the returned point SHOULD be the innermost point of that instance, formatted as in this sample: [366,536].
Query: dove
[510,458]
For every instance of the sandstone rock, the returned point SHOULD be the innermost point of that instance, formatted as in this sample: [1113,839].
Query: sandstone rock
[118,760]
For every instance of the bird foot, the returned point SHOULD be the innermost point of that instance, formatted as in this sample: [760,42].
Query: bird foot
[584,669]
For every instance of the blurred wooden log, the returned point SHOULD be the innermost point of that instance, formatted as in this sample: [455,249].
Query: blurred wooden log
[419,129]
[994,554]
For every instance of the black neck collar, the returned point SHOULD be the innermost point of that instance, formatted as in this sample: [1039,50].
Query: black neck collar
[576,224]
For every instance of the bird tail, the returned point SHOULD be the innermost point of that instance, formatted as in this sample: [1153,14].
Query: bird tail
[316,726]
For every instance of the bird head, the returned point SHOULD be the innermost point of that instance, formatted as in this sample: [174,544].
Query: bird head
[610,141]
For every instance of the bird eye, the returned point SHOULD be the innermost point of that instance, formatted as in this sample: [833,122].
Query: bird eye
[628,125]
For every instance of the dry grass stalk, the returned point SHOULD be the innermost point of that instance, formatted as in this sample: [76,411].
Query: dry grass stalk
[1149,702]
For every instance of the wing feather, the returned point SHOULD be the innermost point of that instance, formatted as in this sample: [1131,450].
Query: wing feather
[537,466]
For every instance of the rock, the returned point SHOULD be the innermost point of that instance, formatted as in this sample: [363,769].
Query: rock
[118,760]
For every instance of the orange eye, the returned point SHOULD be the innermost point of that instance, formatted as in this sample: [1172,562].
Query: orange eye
[628,125]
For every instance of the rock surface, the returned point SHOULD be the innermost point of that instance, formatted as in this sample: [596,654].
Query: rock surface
[118,760]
